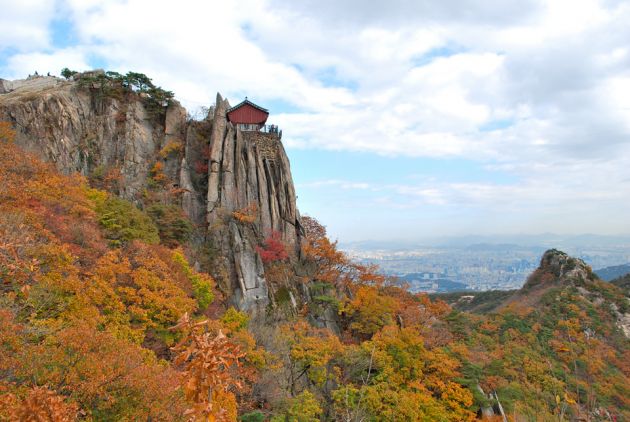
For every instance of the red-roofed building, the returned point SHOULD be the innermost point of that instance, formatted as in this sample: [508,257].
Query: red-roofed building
[248,116]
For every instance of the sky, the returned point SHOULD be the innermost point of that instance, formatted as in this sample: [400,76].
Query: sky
[402,119]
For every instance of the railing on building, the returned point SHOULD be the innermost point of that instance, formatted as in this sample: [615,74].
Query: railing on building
[271,129]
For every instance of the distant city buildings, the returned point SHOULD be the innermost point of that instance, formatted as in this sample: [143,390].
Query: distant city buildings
[478,267]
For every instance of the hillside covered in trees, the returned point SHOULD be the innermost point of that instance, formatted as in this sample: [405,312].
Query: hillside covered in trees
[120,308]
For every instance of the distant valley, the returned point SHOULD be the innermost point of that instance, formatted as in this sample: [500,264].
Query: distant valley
[483,263]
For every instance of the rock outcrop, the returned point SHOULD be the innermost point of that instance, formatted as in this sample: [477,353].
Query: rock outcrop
[243,176]
[561,272]
[219,170]
[556,267]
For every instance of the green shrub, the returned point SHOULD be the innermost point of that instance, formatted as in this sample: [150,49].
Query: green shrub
[172,225]
[255,416]
[115,85]
[202,284]
[327,300]
[283,296]
[235,320]
[121,221]
[202,290]
[67,73]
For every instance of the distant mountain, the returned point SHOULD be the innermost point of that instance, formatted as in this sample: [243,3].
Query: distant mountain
[610,273]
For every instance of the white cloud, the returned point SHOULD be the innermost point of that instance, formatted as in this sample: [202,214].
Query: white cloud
[27,63]
[196,49]
[24,24]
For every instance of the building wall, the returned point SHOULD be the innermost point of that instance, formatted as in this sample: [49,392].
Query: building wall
[247,114]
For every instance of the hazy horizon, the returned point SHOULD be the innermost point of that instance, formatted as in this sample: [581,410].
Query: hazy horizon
[520,239]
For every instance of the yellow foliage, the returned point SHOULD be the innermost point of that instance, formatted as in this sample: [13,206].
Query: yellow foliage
[369,310]
[304,408]
[311,349]
[234,320]
[172,146]
[248,214]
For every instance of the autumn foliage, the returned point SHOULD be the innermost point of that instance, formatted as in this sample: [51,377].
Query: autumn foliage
[84,321]
[273,249]
[206,357]
[248,214]
[7,134]
[102,319]
[39,404]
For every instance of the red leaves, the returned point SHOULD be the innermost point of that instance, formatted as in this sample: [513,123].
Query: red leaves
[201,165]
[273,249]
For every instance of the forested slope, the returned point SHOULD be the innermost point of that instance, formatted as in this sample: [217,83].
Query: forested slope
[103,317]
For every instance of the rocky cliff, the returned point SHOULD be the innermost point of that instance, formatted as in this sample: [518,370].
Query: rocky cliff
[236,187]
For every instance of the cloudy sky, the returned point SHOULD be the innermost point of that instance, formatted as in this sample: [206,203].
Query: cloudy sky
[402,119]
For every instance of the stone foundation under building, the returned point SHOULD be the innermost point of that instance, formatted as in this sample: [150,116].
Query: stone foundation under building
[266,143]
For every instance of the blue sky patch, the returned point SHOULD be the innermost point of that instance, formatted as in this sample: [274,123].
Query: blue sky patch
[444,51]
[309,165]
[496,125]
[63,34]
[329,77]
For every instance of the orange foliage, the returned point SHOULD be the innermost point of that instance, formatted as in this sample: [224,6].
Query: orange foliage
[104,375]
[11,341]
[370,311]
[84,309]
[47,206]
[157,173]
[207,360]
[7,134]
[248,214]
[313,229]
[333,266]
[39,404]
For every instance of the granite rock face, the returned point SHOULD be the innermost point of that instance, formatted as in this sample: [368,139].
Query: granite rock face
[82,132]
[79,133]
